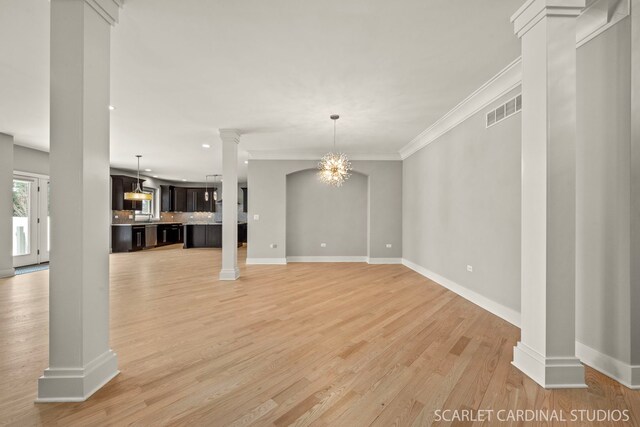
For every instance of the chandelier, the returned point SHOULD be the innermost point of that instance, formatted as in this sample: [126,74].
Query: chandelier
[334,167]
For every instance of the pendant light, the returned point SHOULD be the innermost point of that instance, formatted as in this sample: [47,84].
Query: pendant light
[215,190]
[334,167]
[206,189]
[137,194]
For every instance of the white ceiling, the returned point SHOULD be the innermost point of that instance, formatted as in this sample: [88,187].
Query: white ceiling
[274,69]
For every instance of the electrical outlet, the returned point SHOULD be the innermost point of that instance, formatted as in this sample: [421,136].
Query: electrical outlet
[323,245]
[116,216]
[130,216]
[273,245]
[388,245]
[256,217]
[470,268]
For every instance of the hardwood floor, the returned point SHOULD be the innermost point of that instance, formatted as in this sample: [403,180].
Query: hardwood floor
[305,344]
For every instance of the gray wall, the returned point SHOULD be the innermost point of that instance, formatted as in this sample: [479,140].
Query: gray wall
[461,206]
[318,213]
[30,160]
[267,182]
[603,187]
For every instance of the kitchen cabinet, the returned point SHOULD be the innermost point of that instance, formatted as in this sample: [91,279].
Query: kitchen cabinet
[121,184]
[209,235]
[180,199]
[169,234]
[245,199]
[166,198]
[127,238]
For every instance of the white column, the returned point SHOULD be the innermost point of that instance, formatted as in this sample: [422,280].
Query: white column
[80,360]
[6,205]
[634,299]
[546,351]
[230,139]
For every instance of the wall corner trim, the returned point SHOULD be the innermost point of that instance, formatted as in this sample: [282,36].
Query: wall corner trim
[624,373]
[266,261]
[504,312]
[506,80]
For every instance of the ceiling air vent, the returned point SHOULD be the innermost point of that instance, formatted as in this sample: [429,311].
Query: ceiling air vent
[505,110]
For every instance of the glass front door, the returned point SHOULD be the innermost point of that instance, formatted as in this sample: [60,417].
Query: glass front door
[30,220]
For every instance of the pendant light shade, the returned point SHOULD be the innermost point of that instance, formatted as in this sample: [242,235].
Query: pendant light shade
[137,194]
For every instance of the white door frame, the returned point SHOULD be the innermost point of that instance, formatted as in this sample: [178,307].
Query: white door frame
[38,220]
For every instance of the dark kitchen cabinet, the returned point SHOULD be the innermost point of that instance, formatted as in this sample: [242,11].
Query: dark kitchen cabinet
[242,233]
[196,200]
[121,184]
[166,198]
[127,238]
[245,199]
[169,234]
[180,199]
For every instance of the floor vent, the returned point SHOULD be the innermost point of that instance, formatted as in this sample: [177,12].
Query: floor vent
[507,109]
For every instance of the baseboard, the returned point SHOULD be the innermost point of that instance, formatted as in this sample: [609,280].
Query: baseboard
[266,261]
[326,259]
[385,260]
[549,372]
[626,374]
[229,274]
[77,384]
[9,272]
[504,312]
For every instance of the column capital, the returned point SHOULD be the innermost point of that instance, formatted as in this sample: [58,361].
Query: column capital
[107,9]
[229,135]
[532,11]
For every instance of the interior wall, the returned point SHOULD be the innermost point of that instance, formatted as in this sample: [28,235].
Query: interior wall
[603,262]
[318,213]
[461,206]
[267,180]
[30,160]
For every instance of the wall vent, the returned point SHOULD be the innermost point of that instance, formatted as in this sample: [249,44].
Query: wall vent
[507,109]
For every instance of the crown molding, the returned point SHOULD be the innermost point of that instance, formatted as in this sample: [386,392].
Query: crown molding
[532,11]
[598,16]
[107,9]
[506,80]
[291,155]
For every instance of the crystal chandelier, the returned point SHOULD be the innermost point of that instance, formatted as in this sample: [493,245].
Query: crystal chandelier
[334,168]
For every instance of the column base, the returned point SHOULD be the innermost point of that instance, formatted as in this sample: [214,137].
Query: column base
[9,272]
[549,372]
[77,384]
[229,273]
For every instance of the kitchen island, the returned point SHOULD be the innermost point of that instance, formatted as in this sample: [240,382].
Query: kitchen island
[209,235]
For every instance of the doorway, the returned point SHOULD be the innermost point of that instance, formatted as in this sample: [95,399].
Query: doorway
[30,230]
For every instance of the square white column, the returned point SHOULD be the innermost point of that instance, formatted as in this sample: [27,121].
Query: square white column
[546,351]
[230,139]
[80,360]
[6,205]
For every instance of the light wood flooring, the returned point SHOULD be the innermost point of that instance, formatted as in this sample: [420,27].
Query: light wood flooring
[304,344]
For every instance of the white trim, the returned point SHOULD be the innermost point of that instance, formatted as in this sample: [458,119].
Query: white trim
[502,311]
[9,272]
[229,274]
[502,83]
[626,374]
[292,155]
[326,259]
[266,261]
[385,261]
[77,384]
[31,174]
[598,17]
[107,9]
[549,372]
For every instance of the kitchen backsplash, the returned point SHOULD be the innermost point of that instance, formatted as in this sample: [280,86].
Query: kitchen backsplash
[127,217]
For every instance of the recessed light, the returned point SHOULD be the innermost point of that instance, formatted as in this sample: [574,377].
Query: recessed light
[111,107]
[206,146]
[155,176]
[246,162]
[147,170]
[184,180]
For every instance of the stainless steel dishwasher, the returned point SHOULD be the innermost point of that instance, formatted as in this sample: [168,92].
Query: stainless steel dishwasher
[151,235]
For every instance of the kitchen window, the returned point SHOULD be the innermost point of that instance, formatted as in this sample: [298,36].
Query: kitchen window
[148,210]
